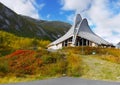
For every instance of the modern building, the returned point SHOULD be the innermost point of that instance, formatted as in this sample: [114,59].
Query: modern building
[79,34]
[118,45]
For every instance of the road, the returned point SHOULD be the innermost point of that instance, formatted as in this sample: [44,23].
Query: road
[67,81]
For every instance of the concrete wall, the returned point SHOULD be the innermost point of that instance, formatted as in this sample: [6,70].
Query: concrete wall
[94,45]
[55,47]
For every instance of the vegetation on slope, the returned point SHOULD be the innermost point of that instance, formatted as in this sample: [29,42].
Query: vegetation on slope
[55,28]
[24,59]
[9,42]
[38,64]
[110,54]
[98,63]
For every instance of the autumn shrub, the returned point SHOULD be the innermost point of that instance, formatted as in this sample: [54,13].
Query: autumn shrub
[16,42]
[73,65]
[87,50]
[5,50]
[41,52]
[4,68]
[31,62]
[43,43]
[54,69]
[75,50]
[79,50]
[58,63]
[52,57]
[114,52]
[53,64]
[23,62]
[112,55]
[48,59]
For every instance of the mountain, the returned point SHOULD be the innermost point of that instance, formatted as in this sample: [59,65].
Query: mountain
[28,27]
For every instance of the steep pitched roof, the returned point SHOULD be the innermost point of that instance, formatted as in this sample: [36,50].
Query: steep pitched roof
[86,33]
[83,31]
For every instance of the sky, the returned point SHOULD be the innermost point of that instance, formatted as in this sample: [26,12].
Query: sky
[103,15]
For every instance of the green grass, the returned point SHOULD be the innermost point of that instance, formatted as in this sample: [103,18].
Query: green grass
[98,69]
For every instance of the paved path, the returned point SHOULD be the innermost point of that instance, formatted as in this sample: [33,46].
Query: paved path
[67,81]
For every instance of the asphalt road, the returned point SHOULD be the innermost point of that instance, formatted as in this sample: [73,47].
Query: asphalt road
[67,81]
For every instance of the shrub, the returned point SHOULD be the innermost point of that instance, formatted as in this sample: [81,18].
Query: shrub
[24,62]
[73,65]
[29,62]
[4,68]
[86,50]
[111,54]
[15,42]
[53,64]
[53,69]
[47,59]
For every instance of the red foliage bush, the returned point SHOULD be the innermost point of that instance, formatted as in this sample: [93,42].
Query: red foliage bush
[24,62]
[20,52]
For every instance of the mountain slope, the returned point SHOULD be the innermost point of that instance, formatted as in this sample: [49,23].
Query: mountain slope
[29,27]
[53,29]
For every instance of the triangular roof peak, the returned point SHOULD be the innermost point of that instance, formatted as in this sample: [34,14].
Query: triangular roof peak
[78,19]
[84,26]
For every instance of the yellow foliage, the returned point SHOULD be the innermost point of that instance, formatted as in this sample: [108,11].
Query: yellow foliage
[15,42]
[74,65]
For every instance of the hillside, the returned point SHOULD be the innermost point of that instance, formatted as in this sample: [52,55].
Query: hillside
[29,27]
[28,65]
[10,42]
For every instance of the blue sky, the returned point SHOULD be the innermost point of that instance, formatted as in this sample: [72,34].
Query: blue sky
[52,11]
[103,15]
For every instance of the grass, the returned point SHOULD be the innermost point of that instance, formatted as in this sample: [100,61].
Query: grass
[92,68]
[98,69]
[13,79]
[74,63]
[29,65]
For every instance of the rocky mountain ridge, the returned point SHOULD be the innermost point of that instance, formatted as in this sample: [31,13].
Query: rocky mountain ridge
[28,27]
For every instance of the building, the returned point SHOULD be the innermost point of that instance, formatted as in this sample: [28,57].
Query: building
[118,45]
[79,34]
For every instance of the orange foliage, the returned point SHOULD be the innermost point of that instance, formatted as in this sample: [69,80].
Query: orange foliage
[20,53]
[24,62]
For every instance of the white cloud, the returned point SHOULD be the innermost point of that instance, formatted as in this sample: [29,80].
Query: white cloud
[98,12]
[24,7]
[78,5]
[48,16]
